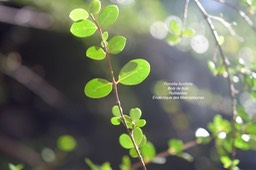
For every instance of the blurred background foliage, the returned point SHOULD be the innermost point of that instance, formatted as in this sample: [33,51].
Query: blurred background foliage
[44,70]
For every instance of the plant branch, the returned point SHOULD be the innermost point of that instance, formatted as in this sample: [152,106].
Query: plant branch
[226,64]
[185,14]
[129,132]
[243,14]
[165,154]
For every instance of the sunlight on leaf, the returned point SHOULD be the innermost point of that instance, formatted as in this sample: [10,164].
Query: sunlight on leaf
[134,72]
[116,44]
[108,16]
[95,53]
[94,6]
[78,14]
[125,141]
[83,28]
[97,88]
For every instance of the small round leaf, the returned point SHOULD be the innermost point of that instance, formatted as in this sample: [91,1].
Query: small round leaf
[94,6]
[134,72]
[78,14]
[97,88]
[138,135]
[135,114]
[66,143]
[108,15]
[83,28]
[175,27]
[116,111]
[125,141]
[116,44]
[115,121]
[140,123]
[95,53]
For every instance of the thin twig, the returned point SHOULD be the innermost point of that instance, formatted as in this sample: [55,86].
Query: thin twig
[165,154]
[117,95]
[226,63]
[243,14]
[185,14]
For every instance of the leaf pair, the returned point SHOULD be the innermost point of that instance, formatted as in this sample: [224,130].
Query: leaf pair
[83,27]
[177,32]
[133,73]
[115,45]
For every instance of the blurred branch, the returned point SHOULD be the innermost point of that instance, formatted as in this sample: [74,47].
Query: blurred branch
[23,153]
[11,66]
[243,14]
[26,17]
[165,154]
[231,88]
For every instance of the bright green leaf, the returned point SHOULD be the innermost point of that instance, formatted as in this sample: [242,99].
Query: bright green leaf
[115,121]
[94,6]
[173,40]
[126,163]
[105,36]
[175,146]
[251,128]
[128,121]
[226,161]
[242,113]
[15,167]
[108,15]
[116,44]
[138,135]
[116,111]
[143,141]
[83,28]
[241,144]
[134,72]
[175,27]
[148,151]
[133,153]
[189,32]
[66,143]
[125,141]
[78,14]
[95,53]
[140,123]
[98,88]
[212,67]
[135,114]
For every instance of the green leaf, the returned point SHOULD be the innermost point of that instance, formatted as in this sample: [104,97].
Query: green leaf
[105,36]
[175,27]
[108,15]
[135,114]
[125,141]
[138,135]
[134,72]
[116,44]
[251,128]
[98,88]
[173,40]
[94,7]
[126,163]
[212,67]
[115,121]
[143,141]
[116,111]
[140,123]
[15,167]
[78,14]
[241,144]
[189,32]
[128,121]
[133,153]
[83,28]
[95,53]
[66,143]
[148,151]
[175,146]
[242,113]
